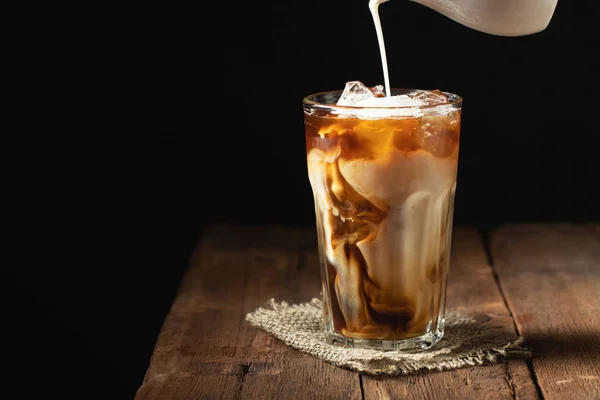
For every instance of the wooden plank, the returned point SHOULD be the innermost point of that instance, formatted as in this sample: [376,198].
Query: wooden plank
[550,276]
[207,350]
[471,289]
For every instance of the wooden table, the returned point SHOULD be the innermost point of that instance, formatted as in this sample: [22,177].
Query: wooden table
[542,281]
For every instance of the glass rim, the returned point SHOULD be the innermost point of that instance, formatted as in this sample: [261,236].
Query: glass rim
[307,101]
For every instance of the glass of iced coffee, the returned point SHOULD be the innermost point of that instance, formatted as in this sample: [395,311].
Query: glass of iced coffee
[383,174]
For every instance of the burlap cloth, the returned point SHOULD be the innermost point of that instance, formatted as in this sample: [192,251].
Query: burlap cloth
[466,342]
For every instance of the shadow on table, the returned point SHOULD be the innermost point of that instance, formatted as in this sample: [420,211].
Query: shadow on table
[583,345]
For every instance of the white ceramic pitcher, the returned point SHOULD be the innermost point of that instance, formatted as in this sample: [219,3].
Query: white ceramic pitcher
[496,17]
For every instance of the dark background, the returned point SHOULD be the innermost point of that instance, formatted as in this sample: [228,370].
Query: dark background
[203,124]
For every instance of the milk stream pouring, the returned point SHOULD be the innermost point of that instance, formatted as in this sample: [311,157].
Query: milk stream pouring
[496,17]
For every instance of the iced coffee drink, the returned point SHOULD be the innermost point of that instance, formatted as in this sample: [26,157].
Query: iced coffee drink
[383,175]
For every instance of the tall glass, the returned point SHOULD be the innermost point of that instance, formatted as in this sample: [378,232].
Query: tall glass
[383,181]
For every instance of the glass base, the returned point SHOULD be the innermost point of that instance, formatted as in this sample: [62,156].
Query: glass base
[417,343]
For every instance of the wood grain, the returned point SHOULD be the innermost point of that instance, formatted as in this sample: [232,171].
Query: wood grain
[550,276]
[206,350]
[471,289]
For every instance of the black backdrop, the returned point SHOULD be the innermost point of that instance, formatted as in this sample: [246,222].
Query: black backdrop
[527,148]
[208,128]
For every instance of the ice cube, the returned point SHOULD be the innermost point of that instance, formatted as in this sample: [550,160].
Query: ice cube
[378,91]
[354,92]
[429,97]
[438,135]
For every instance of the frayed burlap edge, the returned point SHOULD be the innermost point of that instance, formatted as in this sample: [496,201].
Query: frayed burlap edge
[466,342]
